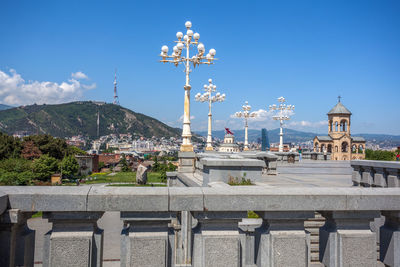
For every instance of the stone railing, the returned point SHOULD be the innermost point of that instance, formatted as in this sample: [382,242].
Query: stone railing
[316,156]
[201,226]
[371,173]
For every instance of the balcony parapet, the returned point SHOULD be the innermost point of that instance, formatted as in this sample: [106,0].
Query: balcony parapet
[154,221]
[374,173]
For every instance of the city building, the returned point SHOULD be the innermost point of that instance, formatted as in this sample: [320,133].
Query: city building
[339,142]
[229,144]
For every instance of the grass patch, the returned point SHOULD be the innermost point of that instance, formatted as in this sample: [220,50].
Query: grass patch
[235,181]
[139,185]
[252,214]
[118,177]
[38,214]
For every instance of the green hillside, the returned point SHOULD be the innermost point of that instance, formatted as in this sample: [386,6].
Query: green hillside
[80,118]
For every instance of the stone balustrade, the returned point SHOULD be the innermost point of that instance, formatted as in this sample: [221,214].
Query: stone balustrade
[373,173]
[316,155]
[218,236]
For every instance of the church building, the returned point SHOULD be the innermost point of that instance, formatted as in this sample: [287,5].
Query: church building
[339,142]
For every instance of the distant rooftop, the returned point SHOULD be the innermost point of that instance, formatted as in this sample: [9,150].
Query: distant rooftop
[324,138]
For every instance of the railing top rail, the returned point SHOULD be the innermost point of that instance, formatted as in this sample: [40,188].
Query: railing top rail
[238,198]
[376,164]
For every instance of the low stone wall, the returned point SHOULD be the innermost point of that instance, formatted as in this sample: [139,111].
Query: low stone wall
[155,219]
[370,173]
[285,156]
[316,156]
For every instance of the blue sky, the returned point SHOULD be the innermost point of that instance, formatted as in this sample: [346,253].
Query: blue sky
[307,51]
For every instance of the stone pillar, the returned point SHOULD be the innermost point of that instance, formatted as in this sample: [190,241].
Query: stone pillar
[186,161]
[356,175]
[380,177]
[75,239]
[216,239]
[367,178]
[248,240]
[147,239]
[390,239]
[347,240]
[393,178]
[283,240]
[17,241]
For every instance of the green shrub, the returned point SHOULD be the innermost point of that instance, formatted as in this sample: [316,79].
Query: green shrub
[379,155]
[44,167]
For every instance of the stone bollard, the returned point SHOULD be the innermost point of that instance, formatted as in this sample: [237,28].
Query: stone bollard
[380,178]
[347,240]
[367,178]
[393,177]
[283,240]
[147,239]
[356,175]
[390,239]
[17,241]
[75,239]
[216,239]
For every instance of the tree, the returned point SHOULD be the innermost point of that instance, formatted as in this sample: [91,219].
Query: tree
[10,147]
[44,167]
[379,155]
[124,163]
[54,147]
[30,150]
[16,171]
[69,166]
[156,165]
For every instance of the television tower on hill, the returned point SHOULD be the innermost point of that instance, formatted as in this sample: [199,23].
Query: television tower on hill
[116,100]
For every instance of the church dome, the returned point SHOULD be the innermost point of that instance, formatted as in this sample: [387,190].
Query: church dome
[339,109]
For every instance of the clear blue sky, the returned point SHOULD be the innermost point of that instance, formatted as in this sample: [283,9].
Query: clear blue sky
[307,51]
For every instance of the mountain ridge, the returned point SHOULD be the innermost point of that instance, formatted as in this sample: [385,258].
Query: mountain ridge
[80,118]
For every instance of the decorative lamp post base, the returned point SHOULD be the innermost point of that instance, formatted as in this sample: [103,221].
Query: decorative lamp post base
[187,148]
[209,148]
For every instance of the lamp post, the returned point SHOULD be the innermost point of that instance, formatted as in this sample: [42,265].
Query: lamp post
[177,57]
[246,114]
[208,97]
[281,116]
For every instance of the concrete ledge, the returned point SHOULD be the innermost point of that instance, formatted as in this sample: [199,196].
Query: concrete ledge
[186,198]
[218,162]
[237,198]
[47,198]
[128,199]
[297,199]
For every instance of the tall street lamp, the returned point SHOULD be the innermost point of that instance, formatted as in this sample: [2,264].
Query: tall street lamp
[176,58]
[246,114]
[208,97]
[282,115]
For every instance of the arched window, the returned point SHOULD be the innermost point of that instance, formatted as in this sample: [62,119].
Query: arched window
[343,125]
[316,147]
[329,148]
[330,126]
[353,149]
[322,147]
[360,149]
[345,147]
[336,126]
[336,149]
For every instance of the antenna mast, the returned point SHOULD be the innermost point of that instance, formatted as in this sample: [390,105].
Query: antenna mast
[98,123]
[116,100]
